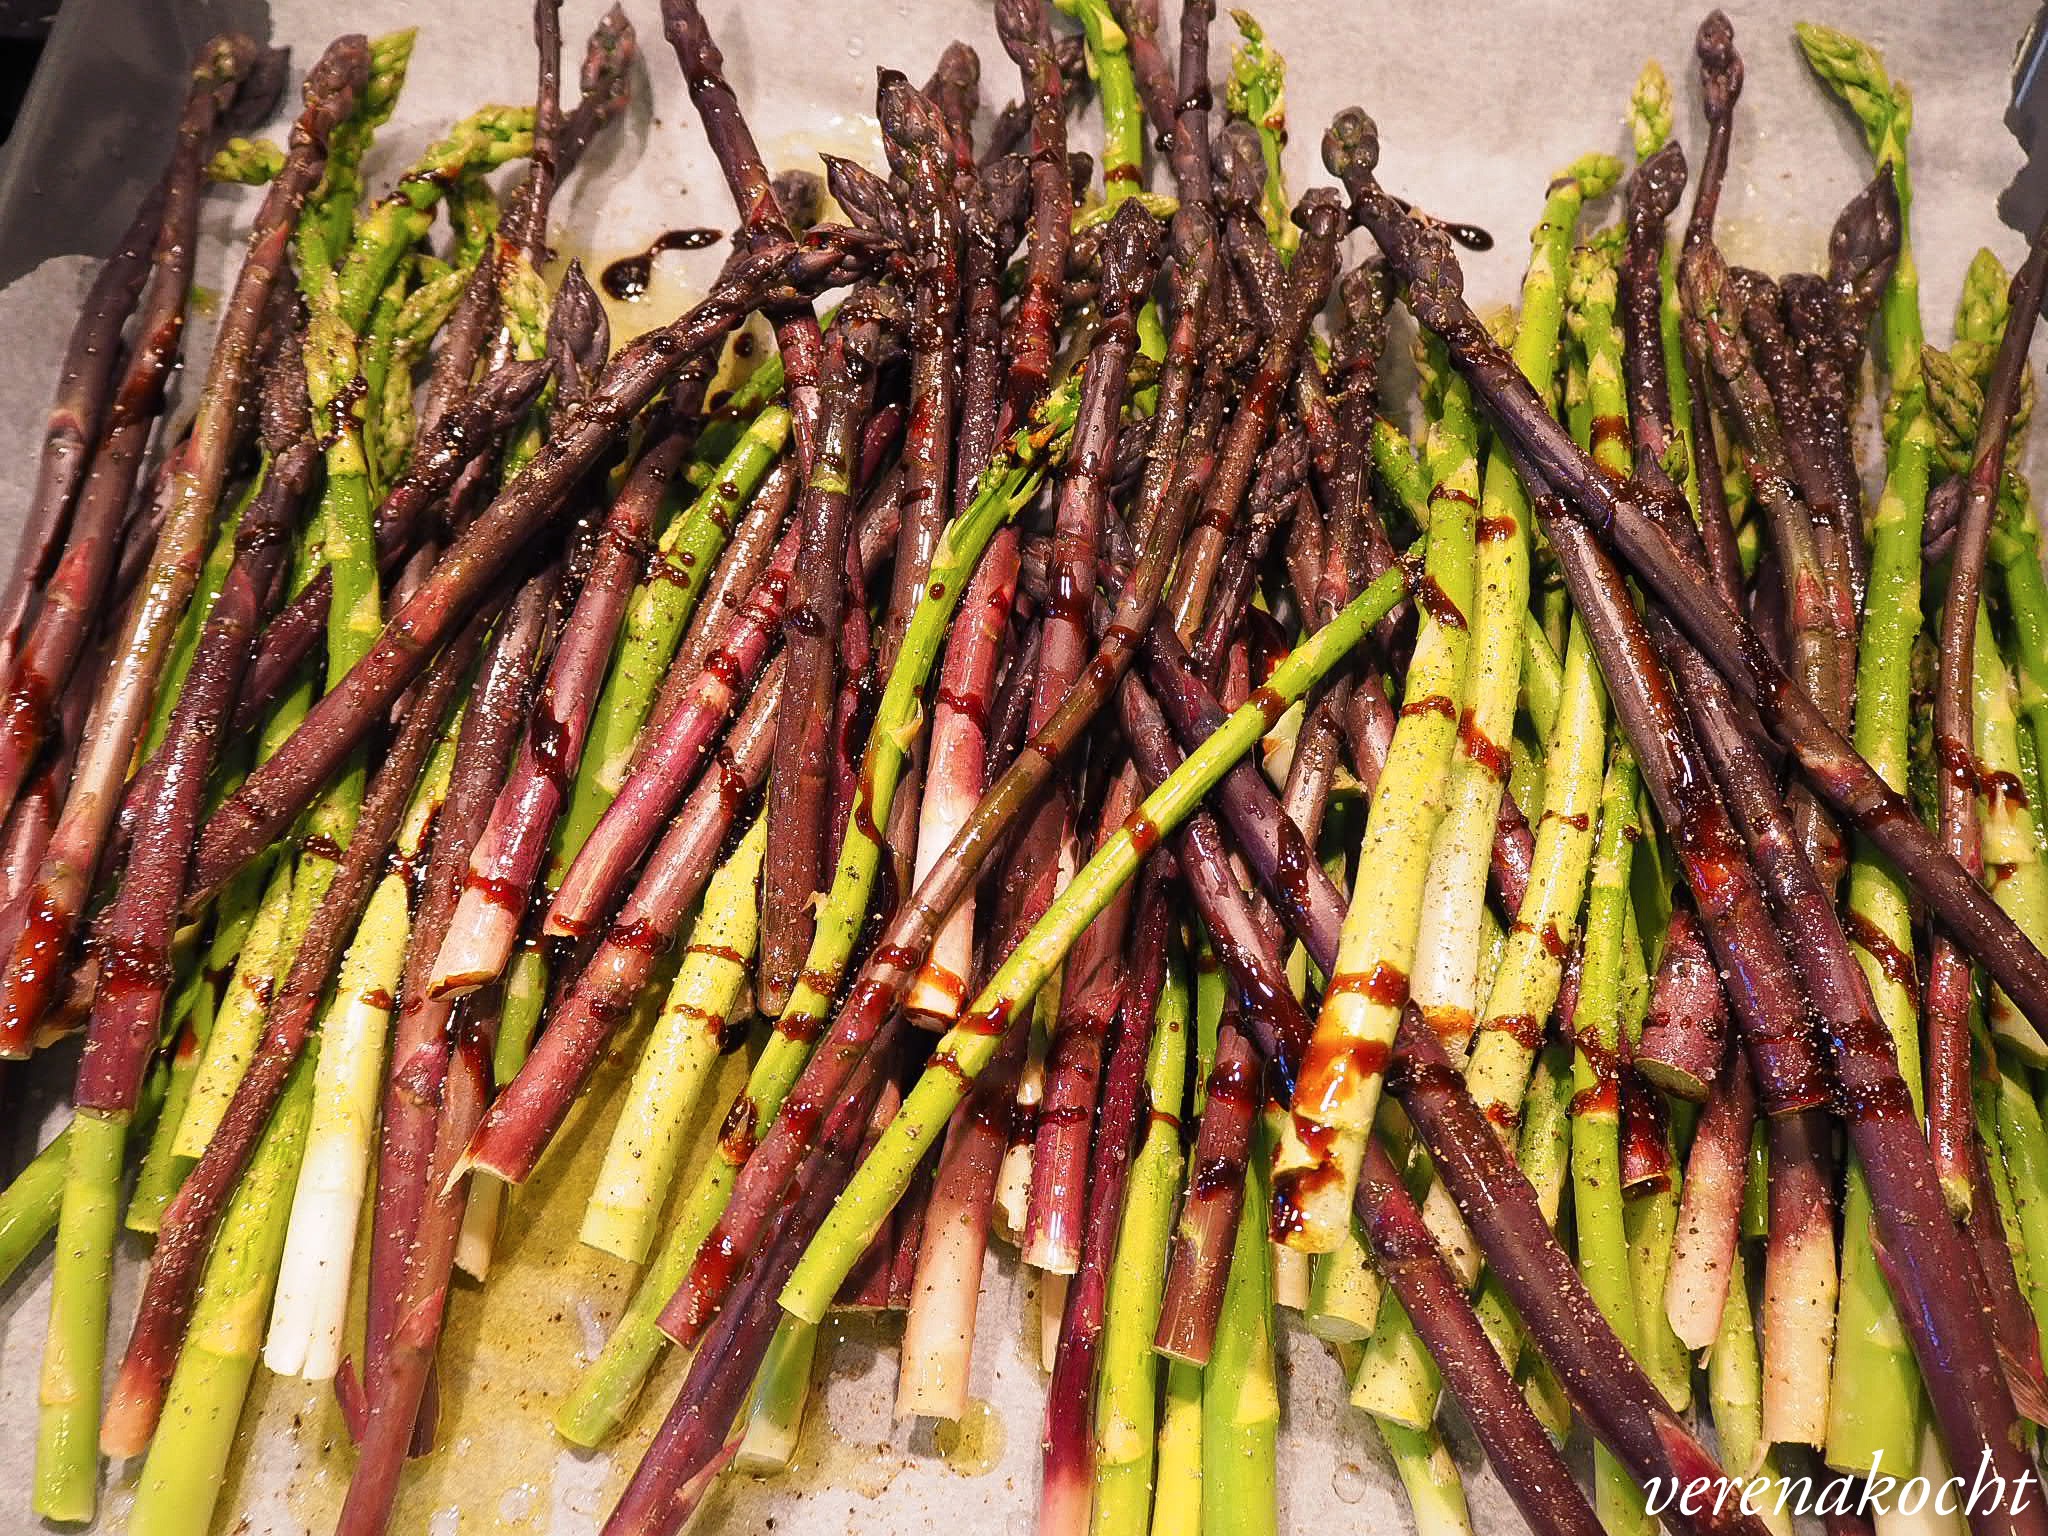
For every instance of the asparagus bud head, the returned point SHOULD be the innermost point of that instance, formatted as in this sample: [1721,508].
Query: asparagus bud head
[1863,248]
[1130,250]
[1351,146]
[1720,64]
[1654,190]
[1649,111]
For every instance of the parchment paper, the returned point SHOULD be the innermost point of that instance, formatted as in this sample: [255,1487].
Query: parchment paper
[1477,104]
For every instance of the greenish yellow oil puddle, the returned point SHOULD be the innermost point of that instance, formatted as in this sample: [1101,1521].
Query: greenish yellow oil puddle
[973,1445]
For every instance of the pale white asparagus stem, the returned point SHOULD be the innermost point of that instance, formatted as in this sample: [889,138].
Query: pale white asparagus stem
[477,1241]
[311,1304]
[676,1063]
[1013,1182]
[310,1309]
[1052,1305]
[1703,1260]
[1291,1277]
[1931,1471]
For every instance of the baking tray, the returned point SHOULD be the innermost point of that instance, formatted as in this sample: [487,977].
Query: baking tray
[1477,103]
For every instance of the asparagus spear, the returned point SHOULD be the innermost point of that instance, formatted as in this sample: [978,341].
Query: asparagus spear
[1524,1454]
[287,781]
[938,1331]
[1598,1041]
[665,759]
[84,386]
[313,1284]
[1447,939]
[796,784]
[1950,1122]
[1335,1100]
[113,1072]
[970,1043]
[1790,856]
[1075,1165]
[1873,1404]
[1445,981]
[446,448]
[957,757]
[1257,92]
[1857,1044]
[1883,108]
[1074,1050]
[1026,32]
[77,583]
[457,424]
[892,964]
[1127,1387]
[607,1389]
[38,948]
[1078,1356]
[129,1001]
[425,1035]
[1684,1043]
[340,289]
[507,859]
[648,1137]
[1240,1397]
[1624,1408]
[520,1123]
[30,1203]
[1513,1440]
[688,1450]
[1704,1256]
[187,1460]
[206,1201]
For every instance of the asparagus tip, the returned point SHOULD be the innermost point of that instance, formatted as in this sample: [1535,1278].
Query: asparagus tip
[1352,144]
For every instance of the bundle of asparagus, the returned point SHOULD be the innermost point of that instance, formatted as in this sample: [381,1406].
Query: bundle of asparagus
[1056,724]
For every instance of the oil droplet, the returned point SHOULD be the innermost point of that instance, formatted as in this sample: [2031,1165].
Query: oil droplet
[1349,1482]
[856,45]
[591,1321]
[518,1503]
[973,1445]
[578,1487]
